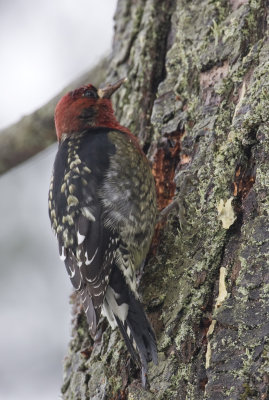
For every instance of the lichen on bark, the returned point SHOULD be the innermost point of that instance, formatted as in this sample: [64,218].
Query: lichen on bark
[197,97]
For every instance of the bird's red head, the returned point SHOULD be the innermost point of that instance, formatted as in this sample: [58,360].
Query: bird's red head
[86,108]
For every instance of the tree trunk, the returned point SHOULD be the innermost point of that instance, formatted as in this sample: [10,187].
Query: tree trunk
[197,96]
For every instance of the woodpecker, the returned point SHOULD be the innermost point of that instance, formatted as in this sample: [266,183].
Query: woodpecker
[102,207]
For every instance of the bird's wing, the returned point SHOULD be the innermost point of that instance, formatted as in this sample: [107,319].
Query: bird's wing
[86,245]
[89,266]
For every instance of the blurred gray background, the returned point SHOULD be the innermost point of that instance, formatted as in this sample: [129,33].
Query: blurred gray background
[44,46]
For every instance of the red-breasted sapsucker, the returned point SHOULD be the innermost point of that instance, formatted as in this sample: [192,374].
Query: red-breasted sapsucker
[102,207]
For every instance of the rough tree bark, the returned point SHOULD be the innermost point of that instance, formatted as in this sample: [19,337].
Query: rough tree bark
[198,99]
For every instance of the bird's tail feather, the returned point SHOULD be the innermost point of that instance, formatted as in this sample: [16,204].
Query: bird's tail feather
[139,336]
[123,308]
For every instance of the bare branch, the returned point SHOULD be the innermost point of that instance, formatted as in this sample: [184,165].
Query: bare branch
[35,132]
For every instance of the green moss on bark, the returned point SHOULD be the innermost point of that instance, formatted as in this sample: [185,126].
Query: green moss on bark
[197,71]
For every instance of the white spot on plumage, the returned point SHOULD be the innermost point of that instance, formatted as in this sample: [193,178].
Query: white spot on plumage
[88,262]
[98,294]
[72,188]
[66,235]
[128,331]
[75,163]
[110,307]
[107,312]
[72,271]
[80,238]
[87,213]
[62,254]
[72,200]
[90,280]
[86,169]
[135,346]
[67,219]
[67,175]
[63,187]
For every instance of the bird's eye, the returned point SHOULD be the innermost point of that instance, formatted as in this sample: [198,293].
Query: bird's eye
[90,93]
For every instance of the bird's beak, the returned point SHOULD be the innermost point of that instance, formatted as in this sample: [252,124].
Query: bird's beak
[106,92]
